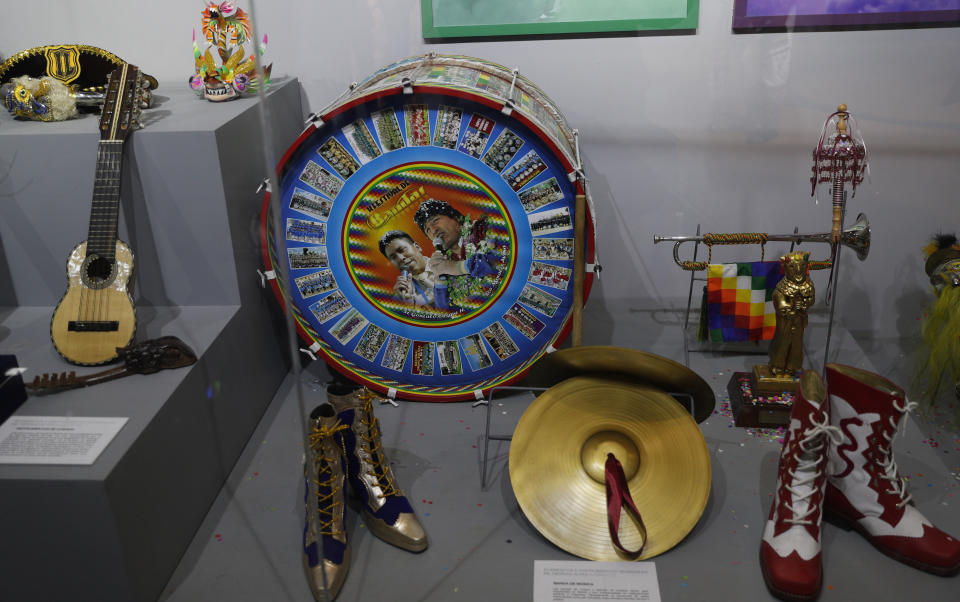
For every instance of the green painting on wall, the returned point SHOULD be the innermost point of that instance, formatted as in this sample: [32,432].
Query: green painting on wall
[476,18]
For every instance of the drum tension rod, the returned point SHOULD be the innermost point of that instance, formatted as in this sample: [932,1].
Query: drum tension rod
[509,103]
[313,119]
[578,169]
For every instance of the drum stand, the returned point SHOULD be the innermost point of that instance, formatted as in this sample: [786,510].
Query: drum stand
[579,267]
[576,333]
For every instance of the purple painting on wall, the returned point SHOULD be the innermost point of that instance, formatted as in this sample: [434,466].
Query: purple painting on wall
[751,14]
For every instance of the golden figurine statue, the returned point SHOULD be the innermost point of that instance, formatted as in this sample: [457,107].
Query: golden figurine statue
[791,299]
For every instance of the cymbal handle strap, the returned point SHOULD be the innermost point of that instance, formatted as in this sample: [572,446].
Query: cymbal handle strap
[618,496]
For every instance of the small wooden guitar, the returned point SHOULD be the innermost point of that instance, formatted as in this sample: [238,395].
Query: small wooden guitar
[96,315]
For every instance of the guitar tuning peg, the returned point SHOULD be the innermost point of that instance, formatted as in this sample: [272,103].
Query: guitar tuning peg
[45,380]
[72,378]
[36,381]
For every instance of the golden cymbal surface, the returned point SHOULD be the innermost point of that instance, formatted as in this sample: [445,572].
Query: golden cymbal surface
[604,360]
[557,458]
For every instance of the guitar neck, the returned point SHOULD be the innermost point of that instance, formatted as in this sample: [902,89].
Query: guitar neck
[105,209]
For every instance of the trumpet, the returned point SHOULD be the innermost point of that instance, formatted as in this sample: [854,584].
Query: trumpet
[855,237]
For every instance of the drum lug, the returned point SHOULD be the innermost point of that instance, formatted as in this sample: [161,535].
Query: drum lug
[313,119]
[507,108]
[312,351]
[266,276]
[407,85]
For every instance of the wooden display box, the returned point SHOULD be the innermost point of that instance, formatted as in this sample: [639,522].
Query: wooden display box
[751,409]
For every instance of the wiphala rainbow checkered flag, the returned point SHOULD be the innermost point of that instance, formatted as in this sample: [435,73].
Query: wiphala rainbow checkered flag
[737,301]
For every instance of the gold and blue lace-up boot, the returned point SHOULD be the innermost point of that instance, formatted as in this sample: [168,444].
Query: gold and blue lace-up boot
[324,522]
[386,511]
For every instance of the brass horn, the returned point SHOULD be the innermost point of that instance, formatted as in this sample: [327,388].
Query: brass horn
[855,237]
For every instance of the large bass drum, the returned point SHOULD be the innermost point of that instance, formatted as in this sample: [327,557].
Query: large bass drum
[428,229]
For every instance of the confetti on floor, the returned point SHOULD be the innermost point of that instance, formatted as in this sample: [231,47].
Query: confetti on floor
[772,434]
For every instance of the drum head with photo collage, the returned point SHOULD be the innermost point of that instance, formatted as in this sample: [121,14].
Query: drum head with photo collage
[427,244]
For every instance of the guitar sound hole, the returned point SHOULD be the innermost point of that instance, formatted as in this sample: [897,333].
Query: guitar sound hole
[99,269]
[98,272]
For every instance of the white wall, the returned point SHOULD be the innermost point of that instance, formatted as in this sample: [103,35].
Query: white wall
[714,127]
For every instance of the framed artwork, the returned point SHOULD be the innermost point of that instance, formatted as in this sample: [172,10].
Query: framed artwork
[479,18]
[760,14]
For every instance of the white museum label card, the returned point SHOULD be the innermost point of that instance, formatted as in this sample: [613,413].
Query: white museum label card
[584,581]
[56,439]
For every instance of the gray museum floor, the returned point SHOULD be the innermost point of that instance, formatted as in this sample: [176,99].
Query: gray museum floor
[482,547]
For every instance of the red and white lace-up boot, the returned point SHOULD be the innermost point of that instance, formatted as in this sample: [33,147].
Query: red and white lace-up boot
[790,549]
[864,490]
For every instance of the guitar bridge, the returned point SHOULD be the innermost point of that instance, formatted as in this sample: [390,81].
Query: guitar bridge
[93,325]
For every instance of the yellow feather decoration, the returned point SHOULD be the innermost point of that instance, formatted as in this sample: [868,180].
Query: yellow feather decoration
[234,59]
[941,365]
[211,66]
[245,67]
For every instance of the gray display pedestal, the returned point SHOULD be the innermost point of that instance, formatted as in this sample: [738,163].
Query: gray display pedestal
[116,529]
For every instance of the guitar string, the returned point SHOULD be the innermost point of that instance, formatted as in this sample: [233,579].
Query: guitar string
[116,156]
[99,291]
[95,303]
[103,312]
[99,307]
[87,293]
[84,305]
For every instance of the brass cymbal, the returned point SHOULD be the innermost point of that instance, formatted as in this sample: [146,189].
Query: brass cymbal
[607,359]
[557,460]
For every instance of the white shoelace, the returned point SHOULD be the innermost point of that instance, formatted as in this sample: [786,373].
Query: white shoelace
[898,485]
[801,485]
